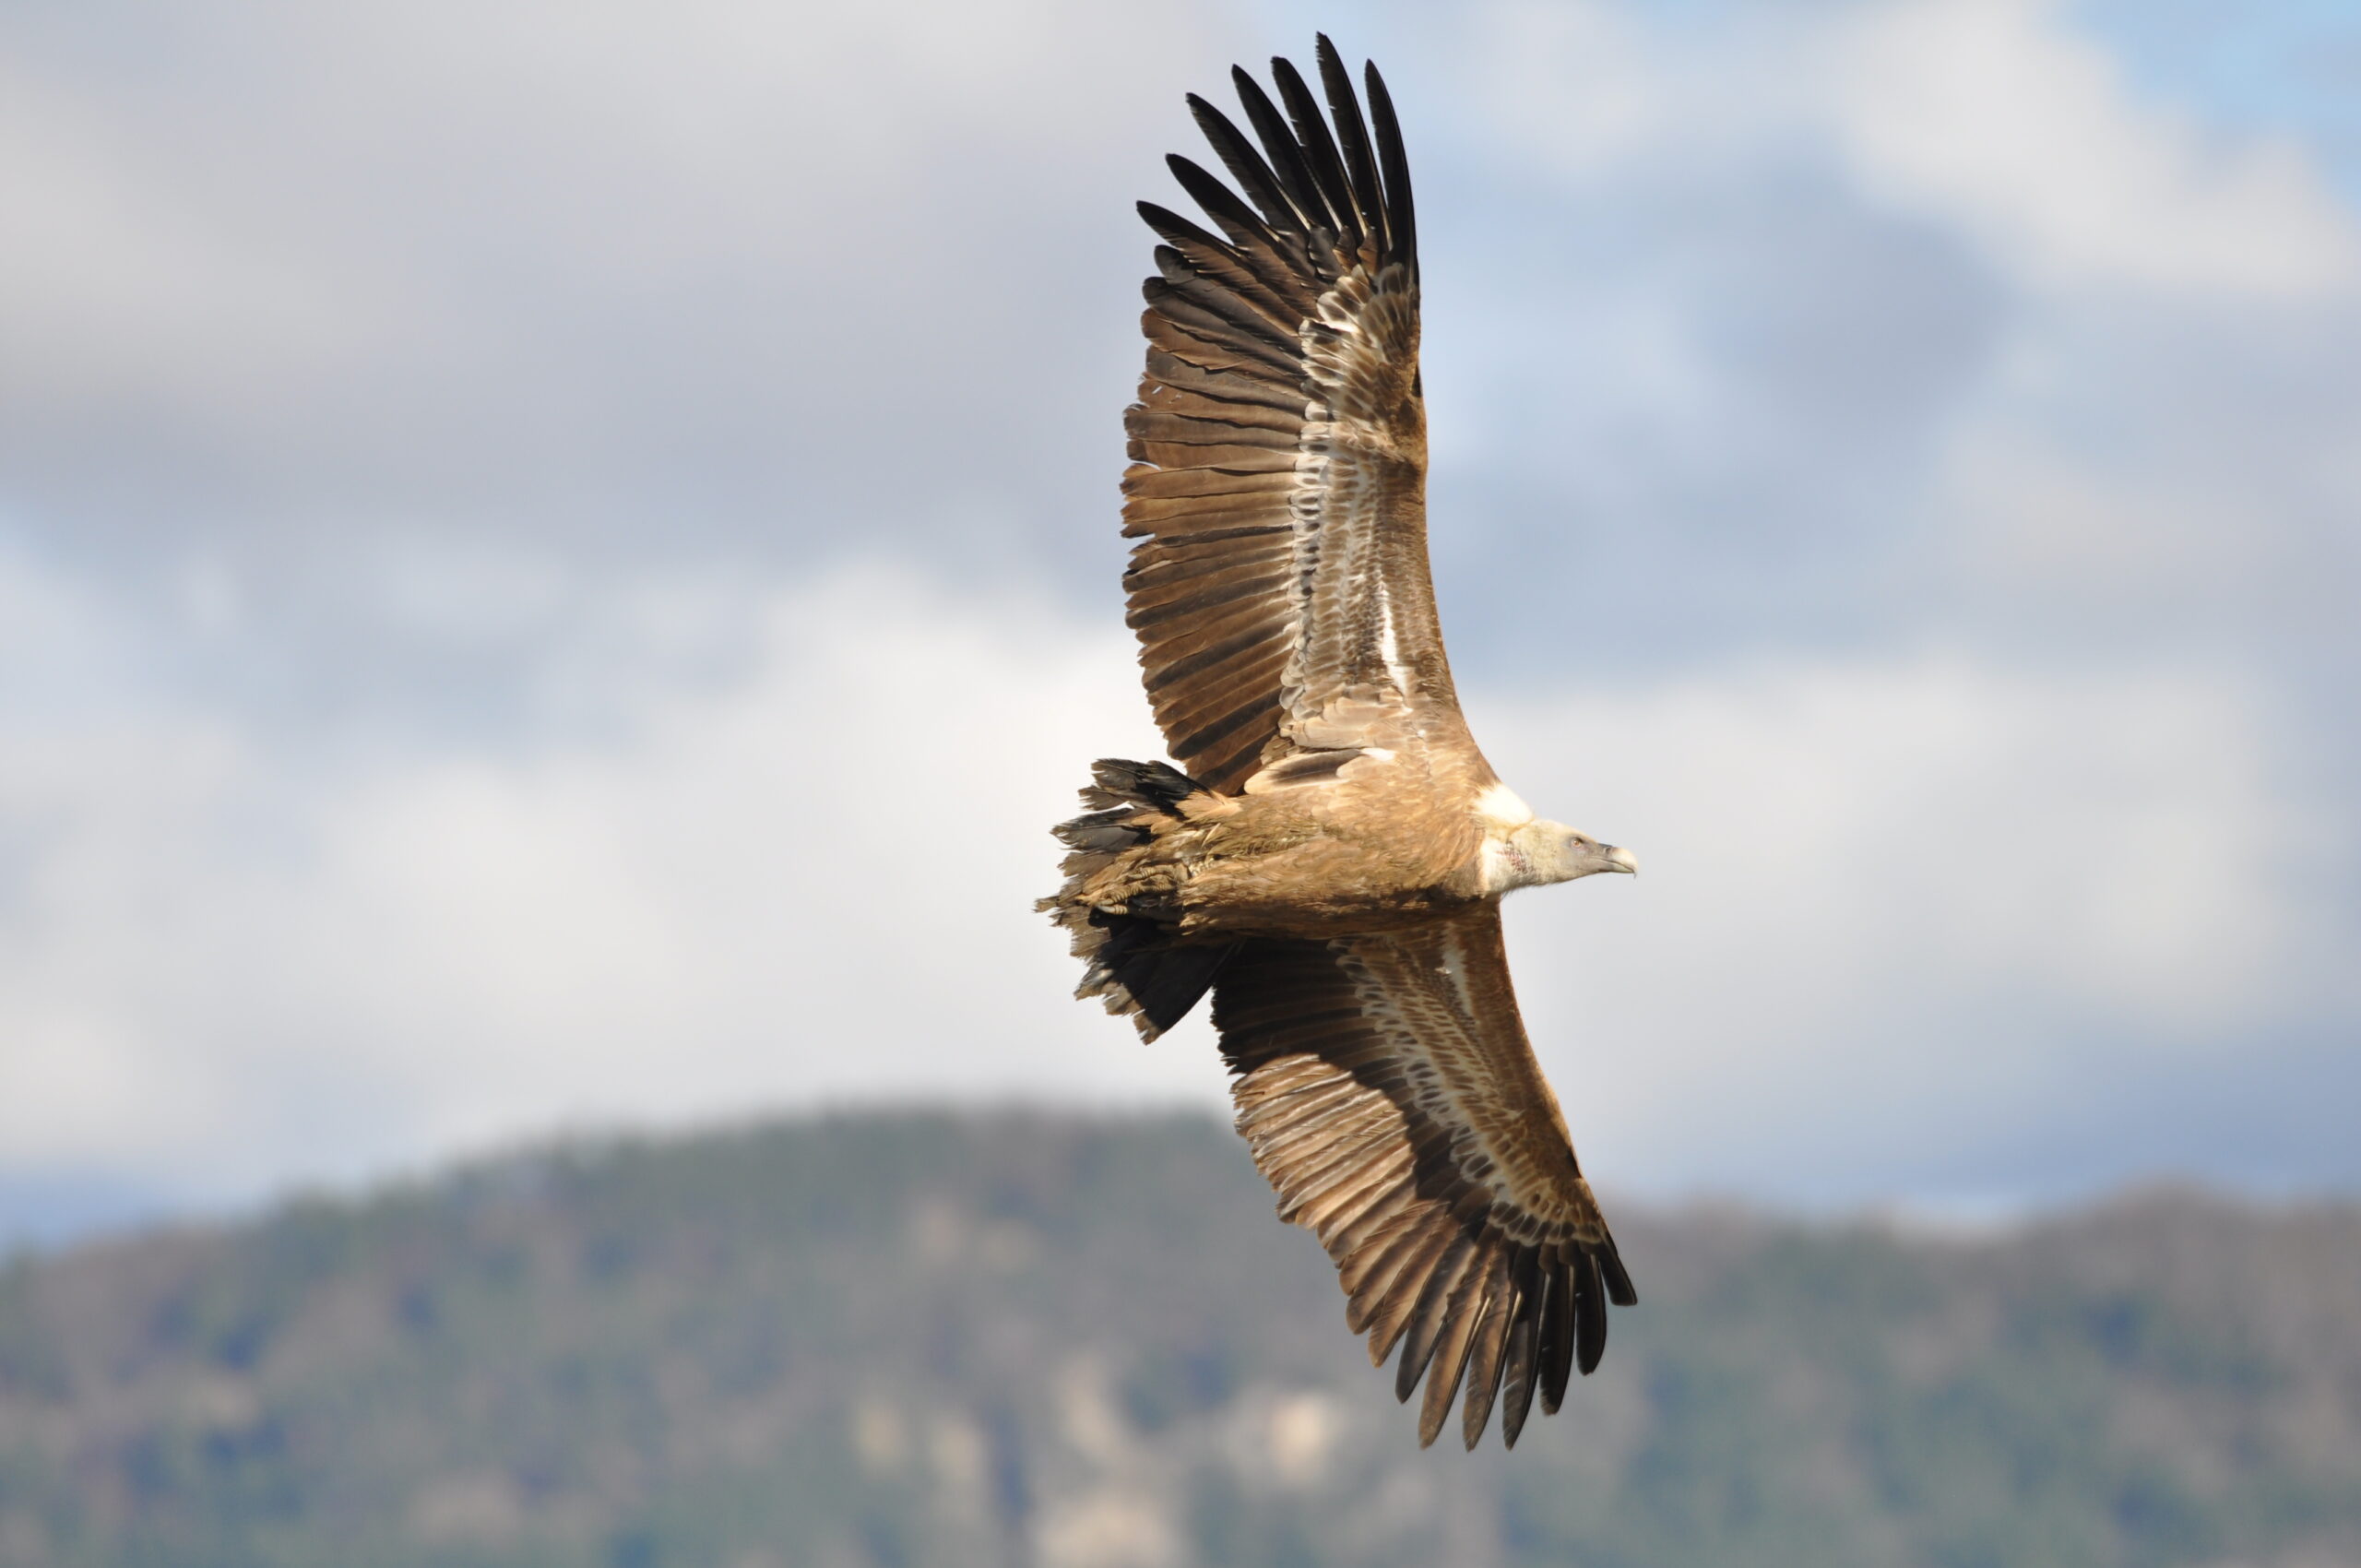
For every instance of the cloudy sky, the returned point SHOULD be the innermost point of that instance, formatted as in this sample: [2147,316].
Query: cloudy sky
[556,559]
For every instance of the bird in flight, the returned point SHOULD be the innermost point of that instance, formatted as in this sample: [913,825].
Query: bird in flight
[1330,855]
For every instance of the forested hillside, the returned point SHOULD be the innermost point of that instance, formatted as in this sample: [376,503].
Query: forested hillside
[1013,1340]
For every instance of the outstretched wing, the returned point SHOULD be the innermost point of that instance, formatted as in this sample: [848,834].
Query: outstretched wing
[1280,586]
[1387,1090]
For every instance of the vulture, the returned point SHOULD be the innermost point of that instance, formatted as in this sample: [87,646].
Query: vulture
[1329,856]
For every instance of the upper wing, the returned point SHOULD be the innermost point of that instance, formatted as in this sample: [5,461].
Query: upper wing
[1279,444]
[1386,1088]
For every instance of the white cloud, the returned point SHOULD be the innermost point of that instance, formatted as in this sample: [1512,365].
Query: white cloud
[1993,112]
[124,277]
[506,263]
[2040,514]
[809,883]
[1995,115]
[1889,904]
[1576,82]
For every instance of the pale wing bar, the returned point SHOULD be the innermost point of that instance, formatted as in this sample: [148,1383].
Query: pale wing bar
[1386,1088]
[1277,429]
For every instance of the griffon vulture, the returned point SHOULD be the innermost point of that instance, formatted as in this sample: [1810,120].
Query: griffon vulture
[1330,855]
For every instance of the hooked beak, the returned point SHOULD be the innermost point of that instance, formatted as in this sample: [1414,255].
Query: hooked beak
[1619,858]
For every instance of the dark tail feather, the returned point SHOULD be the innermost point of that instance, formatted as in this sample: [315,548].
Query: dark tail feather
[1115,782]
[1132,962]
[1161,981]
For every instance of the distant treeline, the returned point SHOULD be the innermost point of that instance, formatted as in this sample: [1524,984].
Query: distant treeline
[1015,1339]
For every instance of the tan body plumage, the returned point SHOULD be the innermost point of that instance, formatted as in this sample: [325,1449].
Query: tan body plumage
[1330,857]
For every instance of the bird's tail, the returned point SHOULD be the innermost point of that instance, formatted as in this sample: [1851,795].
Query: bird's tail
[1131,959]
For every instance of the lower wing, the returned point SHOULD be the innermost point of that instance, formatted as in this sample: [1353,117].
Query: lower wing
[1386,1088]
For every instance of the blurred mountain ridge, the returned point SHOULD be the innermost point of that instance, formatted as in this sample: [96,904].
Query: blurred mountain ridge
[1034,1338]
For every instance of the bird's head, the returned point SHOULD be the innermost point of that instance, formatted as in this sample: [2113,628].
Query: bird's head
[1543,853]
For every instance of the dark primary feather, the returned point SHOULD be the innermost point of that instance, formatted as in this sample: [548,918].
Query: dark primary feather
[1557,1348]
[1401,216]
[1353,136]
[1524,1334]
[1287,157]
[1246,166]
[1245,227]
[1319,150]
